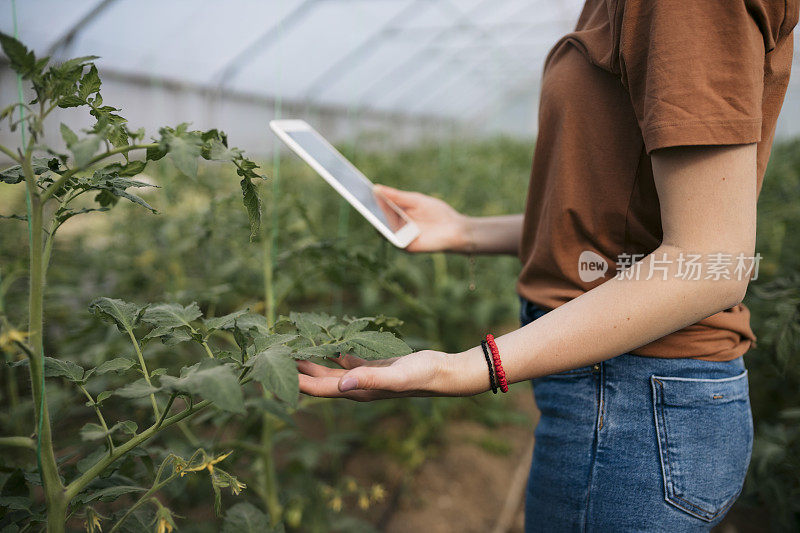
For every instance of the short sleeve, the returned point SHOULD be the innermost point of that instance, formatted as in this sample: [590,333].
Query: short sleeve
[694,70]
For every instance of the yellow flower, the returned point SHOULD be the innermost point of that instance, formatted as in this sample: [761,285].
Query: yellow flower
[206,464]
[336,504]
[363,501]
[378,493]
[92,522]
[164,525]
[10,337]
[351,485]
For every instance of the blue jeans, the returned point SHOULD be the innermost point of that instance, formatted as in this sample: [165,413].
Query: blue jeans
[638,444]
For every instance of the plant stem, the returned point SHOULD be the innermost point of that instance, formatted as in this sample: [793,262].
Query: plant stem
[52,189]
[164,422]
[99,417]
[158,484]
[10,153]
[270,482]
[51,481]
[144,371]
[18,442]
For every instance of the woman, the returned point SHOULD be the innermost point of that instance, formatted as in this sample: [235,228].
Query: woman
[637,243]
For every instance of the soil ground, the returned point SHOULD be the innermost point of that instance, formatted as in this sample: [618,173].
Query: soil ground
[475,483]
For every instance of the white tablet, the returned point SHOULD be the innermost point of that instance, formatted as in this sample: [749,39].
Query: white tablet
[348,181]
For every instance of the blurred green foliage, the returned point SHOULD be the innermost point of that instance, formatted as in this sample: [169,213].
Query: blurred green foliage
[329,259]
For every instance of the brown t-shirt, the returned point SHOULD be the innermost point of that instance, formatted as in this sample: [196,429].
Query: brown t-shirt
[633,77]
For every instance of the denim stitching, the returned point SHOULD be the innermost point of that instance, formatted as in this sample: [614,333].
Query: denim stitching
[666,467]
[595,443]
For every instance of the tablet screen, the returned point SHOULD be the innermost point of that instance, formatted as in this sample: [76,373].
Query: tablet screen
[347,176]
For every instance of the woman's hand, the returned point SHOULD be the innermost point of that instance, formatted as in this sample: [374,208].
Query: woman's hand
[442,227]
[425,373]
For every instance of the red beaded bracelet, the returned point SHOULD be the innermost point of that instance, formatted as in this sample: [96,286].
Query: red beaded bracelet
[499,373]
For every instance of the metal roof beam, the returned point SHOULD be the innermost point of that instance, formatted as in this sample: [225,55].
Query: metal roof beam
[264,41]
[69,37]
[359,53]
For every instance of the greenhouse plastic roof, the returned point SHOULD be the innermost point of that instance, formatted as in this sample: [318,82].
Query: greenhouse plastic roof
[455,58]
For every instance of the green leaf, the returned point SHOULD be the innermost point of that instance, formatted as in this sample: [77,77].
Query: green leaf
[69,136]
[109,494]
[171,316]
[275,408]
[63,214]
[137,389]
[119,364]
[93,431]
[252,204]
[223,322]
[323,350]
[211,380]
[12,175]
[22,60]
[103,396]
[70,101]
[58,368]
[246,518]
[184,148]
[84,149]
[275,369]
[124,314]
[375,345]
[90,83]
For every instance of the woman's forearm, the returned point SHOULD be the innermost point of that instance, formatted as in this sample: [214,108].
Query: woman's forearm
[613,318]
[491,235]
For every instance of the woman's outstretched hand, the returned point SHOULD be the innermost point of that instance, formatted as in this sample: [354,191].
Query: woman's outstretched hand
[425,373]
[442,227]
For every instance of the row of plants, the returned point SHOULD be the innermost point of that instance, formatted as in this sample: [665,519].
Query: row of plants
[231,284]
[118,417]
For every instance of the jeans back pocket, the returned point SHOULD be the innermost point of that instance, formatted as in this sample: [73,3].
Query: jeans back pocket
[705,437]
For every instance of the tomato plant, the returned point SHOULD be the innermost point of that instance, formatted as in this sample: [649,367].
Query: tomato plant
[102,161]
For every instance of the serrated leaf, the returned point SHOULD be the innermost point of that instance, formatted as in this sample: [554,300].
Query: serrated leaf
[137,389]
[93,431]
[375,345]
[125,315]
[58,368]
[275,369]
[323,350]
[211,380]
[84,149]
[103,396]
[246,518]
[252,204]
[271,406]
[132,168]
[183,147]
[63,214]
[70,101]
[354,327]
[90,83]
[69,136]
[109,494]
[119,364]
[22,60]
[12,175]
[223,322]
[171,316]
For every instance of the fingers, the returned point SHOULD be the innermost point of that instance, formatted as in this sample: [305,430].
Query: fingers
[385,378]
[314,370]
[348,361]
[403,199]
[328,387]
